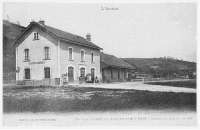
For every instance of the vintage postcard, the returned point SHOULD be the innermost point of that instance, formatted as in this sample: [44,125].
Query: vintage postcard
[99,64]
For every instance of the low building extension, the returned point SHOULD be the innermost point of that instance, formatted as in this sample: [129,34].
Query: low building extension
[114,69]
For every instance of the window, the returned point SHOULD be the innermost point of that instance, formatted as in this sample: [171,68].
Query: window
[82,72]
[36,36]
[26,51]
[70,53]
[46,72]
[92,57]
[27,73]
[46,53]
[82,55]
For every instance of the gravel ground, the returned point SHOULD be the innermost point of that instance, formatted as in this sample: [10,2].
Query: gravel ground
[140,86]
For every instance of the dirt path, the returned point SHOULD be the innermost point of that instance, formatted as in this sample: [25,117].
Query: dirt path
[140,86]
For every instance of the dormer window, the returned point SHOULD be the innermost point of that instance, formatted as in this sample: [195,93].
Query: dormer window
[36,36]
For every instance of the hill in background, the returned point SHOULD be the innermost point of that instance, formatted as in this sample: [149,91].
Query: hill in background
[162,67]
[10,32]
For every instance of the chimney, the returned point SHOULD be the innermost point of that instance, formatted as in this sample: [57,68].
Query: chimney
[88,36]
[42,22]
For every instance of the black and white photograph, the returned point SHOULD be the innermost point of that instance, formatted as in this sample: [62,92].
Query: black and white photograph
[99,64]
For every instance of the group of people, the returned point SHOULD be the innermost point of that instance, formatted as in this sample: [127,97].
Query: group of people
[89,79]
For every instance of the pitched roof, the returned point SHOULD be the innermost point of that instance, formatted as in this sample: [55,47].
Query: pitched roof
[65,36]
[113,61]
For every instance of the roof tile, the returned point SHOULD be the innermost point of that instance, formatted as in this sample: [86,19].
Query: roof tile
[69,36]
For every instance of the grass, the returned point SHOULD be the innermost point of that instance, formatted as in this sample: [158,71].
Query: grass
[184,83]
[92,99]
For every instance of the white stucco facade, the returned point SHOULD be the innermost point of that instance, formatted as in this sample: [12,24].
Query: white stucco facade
[59,57]
[76,62]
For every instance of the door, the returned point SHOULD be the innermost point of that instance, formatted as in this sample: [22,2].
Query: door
[82,72]
[82,77]
[92,74]
[118,75]
[70,74]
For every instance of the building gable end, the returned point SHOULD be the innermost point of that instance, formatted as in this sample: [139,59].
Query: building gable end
[29,31]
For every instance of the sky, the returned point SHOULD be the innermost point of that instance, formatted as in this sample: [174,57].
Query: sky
[137,30]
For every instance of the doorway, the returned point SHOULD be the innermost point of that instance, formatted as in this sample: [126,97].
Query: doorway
[70,74]
[92,74]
